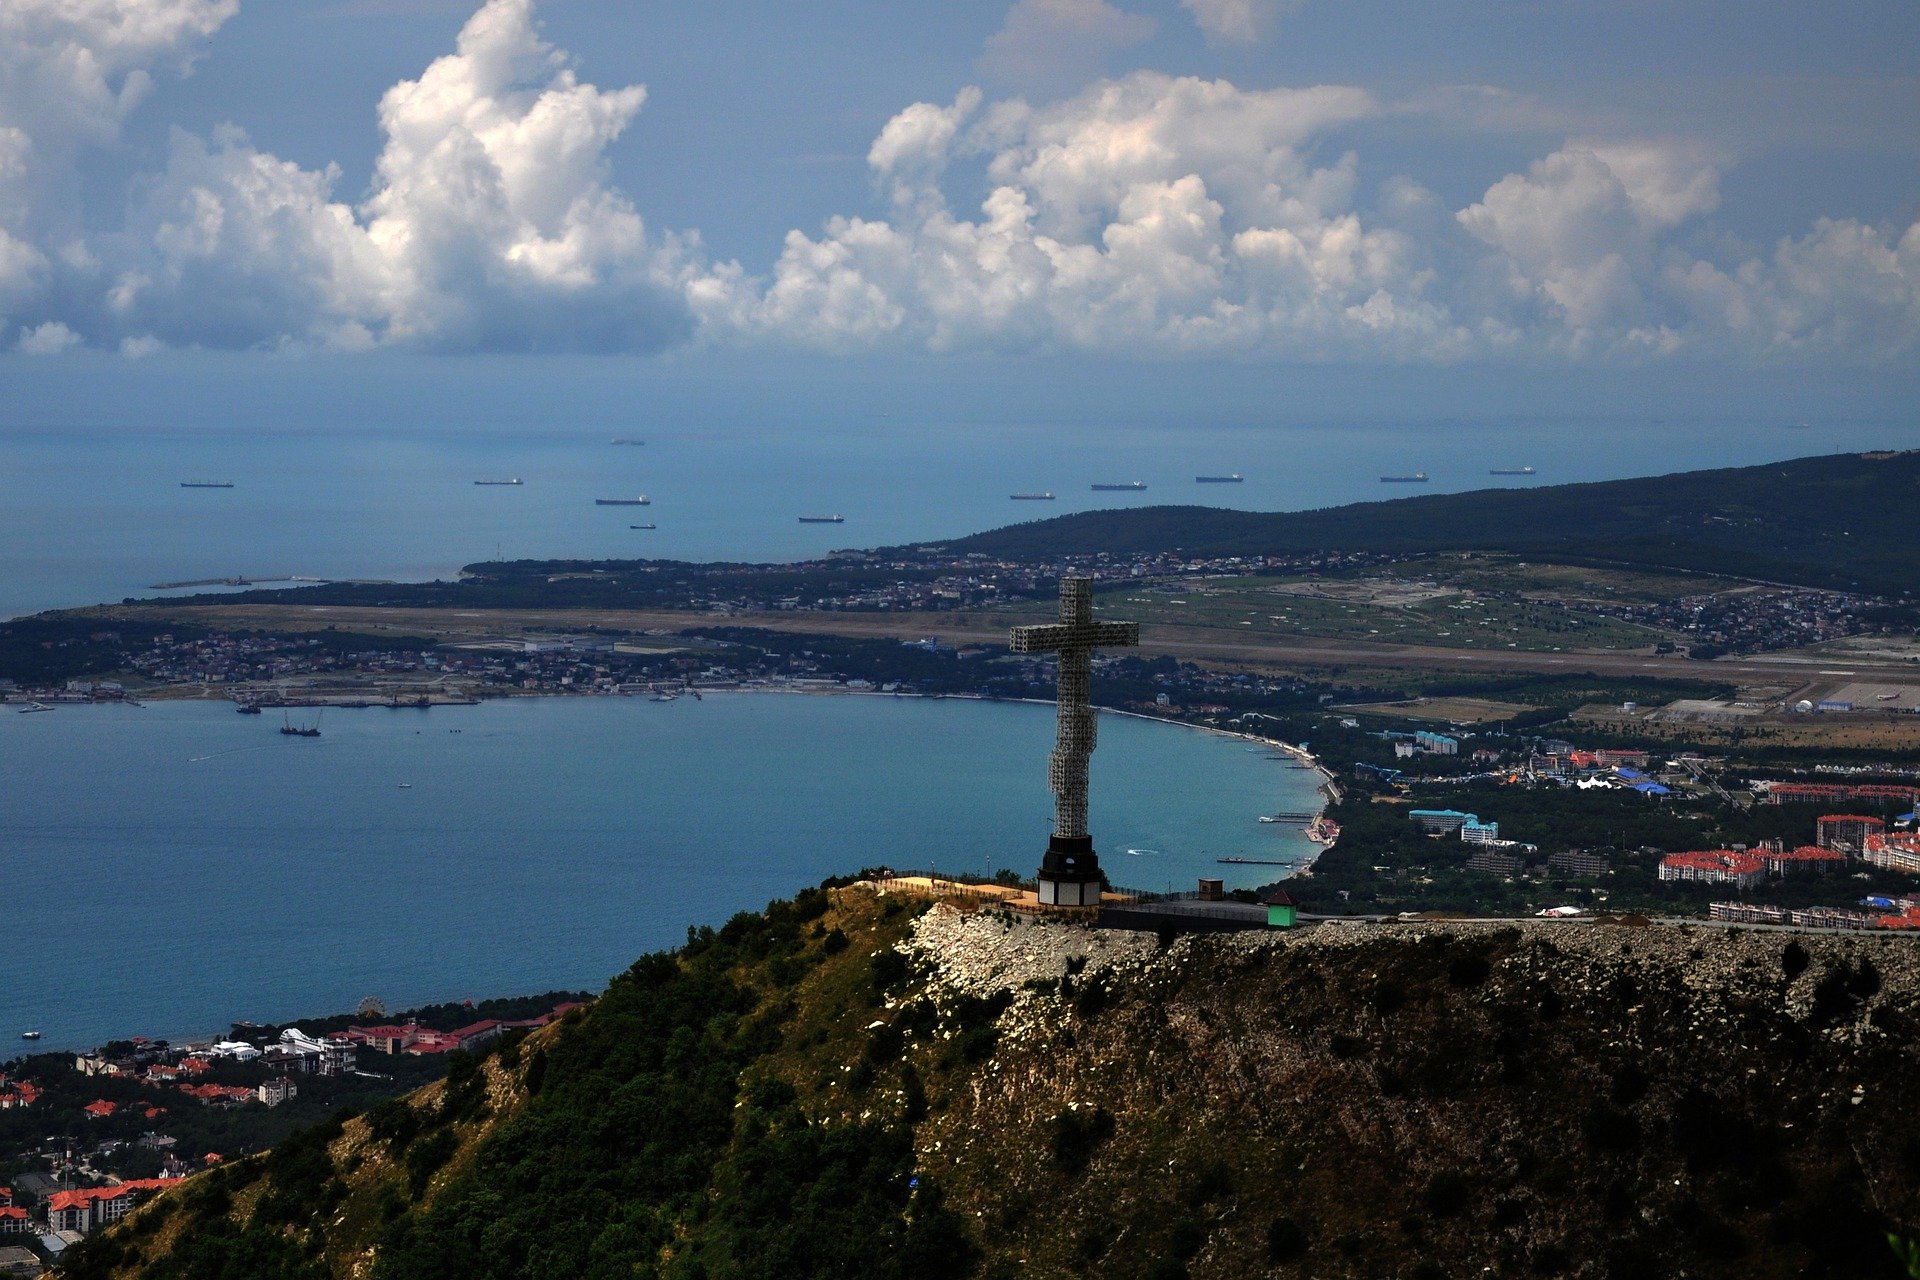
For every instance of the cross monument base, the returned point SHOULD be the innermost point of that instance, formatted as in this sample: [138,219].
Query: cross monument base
[1069,873]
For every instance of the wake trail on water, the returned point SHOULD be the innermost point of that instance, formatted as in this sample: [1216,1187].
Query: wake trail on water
[216,755]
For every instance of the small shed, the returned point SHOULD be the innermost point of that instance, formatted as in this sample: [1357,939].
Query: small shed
[1282,911]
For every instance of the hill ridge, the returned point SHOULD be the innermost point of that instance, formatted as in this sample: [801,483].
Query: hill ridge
[1826,521]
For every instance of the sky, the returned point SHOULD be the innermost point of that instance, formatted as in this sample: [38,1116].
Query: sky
[1398,200]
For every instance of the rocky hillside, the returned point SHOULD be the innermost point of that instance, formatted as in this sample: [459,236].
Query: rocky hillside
[853,1085]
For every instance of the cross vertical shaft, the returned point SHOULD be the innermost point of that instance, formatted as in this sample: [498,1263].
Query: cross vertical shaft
[1073,639]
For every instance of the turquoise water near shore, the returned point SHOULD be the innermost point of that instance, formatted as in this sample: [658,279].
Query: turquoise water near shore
[167,868]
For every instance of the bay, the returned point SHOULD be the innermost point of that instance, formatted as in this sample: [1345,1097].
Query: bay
[165,869]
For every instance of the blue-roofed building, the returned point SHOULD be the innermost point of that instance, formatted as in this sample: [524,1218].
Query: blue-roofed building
[1477,832]
[1442,822]
[1652,789]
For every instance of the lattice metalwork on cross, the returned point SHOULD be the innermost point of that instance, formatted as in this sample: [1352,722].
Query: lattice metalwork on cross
[1072,640]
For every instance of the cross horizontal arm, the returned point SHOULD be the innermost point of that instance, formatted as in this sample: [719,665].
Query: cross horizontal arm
[1044,637]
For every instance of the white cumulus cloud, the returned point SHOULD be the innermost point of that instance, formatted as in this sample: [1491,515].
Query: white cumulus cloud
[49,339]
[1150,213]
[492,224]
[1239,21]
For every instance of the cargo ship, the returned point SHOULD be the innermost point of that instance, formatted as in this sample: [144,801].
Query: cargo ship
[1033,497]
[1418,477]
[292,730]
[1511,471]
[1235,478]
[643,526]
[642,501]
[206,484]
[823,519]
[1134,486]
[515,480]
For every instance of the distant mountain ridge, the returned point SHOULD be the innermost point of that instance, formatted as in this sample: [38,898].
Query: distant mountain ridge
[1839,521]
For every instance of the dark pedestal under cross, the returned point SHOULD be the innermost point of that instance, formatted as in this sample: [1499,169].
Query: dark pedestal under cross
[1070,872]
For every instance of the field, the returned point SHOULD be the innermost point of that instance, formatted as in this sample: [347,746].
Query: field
[1449,710]
[1401,609]
[1707,724]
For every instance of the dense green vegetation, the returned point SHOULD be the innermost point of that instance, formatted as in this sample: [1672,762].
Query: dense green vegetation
[791,1096]
[656,1136]
[51,649]
[1824,521]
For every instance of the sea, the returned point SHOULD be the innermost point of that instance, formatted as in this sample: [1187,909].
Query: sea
[98,514]
[168,868]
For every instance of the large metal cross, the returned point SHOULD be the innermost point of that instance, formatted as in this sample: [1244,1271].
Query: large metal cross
[1073,638]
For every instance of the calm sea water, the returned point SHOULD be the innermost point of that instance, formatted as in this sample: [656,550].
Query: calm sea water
[91,514]
[166,869]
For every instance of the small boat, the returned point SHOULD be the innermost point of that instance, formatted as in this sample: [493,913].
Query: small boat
[823,519]
[663,697]
[29,1035]
[1234,478]
[247,709]
[625,440]
[1267,817]
[1418,477]
[1033,497]
[206,484]
[643,526]
[1132,486]
[1511,471]
[404,786]
[515,480]
[642,501]
[32,707]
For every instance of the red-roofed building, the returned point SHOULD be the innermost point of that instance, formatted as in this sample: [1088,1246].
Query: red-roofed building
[1716,866]
[88,1208]
[225,1095]
[1804,860]
[194,1066]
[23,1094]
[14,1222]
[101,1109]
[385,1039]
[1897,852]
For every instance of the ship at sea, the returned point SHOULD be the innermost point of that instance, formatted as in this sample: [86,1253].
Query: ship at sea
[642,501]
[292,730]
[624,440]
[1418,477]
[823,519]
[206,484]
[1033,497]
[1235,478]
[1511,471]
[648,525]
[515,480]
[1134,486]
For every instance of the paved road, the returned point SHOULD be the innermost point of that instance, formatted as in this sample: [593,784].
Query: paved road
[1212,646]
